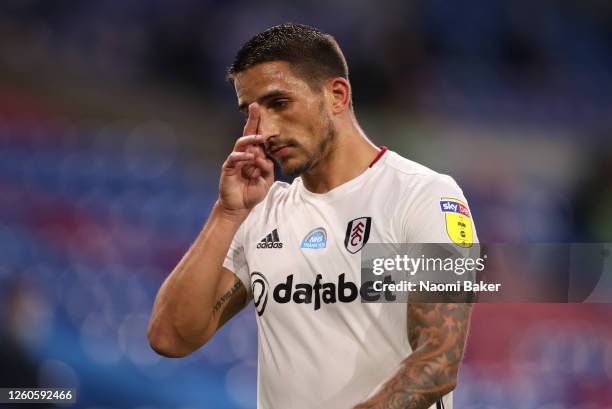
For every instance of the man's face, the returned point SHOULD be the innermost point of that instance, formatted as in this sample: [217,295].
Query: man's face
[294,117]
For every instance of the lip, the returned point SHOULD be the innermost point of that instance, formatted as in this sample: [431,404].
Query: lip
[281,150]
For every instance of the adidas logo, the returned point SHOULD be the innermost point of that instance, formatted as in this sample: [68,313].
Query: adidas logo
[271,241]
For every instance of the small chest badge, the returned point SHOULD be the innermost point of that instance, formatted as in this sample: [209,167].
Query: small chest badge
[357,234]
[315,239]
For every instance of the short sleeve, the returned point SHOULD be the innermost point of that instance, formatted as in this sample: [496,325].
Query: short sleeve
[236,261]
[438,212]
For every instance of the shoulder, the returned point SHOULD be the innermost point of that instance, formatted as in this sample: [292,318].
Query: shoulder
[431,207]
[280,193]
[414,180]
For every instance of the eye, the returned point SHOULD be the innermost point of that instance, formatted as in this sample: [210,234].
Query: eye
[279,104]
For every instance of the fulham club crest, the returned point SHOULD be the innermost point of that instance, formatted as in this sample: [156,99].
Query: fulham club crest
[357,234]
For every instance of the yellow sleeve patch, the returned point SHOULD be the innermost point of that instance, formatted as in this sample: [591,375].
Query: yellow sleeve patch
[458,221]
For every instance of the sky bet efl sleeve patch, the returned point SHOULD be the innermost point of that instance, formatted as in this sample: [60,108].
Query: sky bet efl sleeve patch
[458,221]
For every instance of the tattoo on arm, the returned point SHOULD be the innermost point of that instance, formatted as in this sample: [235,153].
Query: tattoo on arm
[437,334]
[229,304]
[227,296]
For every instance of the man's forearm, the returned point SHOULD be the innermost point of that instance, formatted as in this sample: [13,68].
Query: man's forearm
[437,334]
[185,302]
[421,380]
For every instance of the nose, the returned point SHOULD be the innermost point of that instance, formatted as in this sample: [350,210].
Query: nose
[267,124]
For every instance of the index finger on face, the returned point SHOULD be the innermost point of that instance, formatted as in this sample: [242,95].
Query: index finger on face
[252,122]
[244,142]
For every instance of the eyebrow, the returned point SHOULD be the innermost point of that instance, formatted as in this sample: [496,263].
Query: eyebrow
[263,99]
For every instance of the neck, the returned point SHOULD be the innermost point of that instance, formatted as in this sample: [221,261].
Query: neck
[349,156]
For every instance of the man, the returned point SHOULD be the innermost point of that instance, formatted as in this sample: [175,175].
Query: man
[295,248]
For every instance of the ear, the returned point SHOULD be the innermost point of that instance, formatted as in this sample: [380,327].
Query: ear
[340,94]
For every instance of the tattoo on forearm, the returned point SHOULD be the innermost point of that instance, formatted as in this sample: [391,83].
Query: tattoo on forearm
[226,297]
[437,334]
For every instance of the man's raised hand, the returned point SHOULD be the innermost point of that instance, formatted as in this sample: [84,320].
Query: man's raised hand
[246,175]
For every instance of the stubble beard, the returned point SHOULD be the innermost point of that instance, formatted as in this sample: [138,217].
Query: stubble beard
[313,159]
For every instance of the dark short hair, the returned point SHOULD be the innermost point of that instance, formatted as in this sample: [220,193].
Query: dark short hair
[314,55]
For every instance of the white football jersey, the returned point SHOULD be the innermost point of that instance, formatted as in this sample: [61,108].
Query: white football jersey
[298,255]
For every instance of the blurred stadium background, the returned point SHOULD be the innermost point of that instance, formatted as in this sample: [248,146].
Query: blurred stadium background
[115,118]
